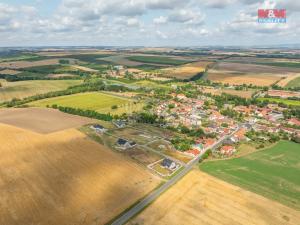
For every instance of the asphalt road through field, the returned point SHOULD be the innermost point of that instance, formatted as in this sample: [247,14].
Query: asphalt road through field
[157,192]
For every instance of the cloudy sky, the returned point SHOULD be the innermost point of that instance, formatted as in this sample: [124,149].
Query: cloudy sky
[144,22]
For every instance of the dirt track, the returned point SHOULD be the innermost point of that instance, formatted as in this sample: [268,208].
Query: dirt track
[201,199]
[64,178]
[41,120]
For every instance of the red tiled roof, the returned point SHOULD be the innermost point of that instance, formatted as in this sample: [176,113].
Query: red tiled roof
[194,152]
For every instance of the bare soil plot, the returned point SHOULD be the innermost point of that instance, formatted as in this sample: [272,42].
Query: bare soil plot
[9,72]
[26,64]
[41,120]
[64,178]
[202,199]
[142,156]
[186,71]
[131,134]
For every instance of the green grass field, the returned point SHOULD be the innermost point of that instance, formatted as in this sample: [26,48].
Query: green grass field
[157,60]
[97,101]
[273,173]
[294,83]
[280,100]
[22,89]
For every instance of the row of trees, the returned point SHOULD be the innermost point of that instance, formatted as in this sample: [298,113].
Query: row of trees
[86,113]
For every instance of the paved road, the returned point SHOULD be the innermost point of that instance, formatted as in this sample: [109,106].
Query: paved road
[157,192]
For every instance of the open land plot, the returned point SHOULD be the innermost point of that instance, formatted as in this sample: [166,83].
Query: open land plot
[22,89]
[41,120]
[185,71]
[26,64]
[273,173]
[139,154]
[64,178]
[139,136]
[167,149]
[241,93]
[281,100]
[142,156]
[92,101]
[202,199]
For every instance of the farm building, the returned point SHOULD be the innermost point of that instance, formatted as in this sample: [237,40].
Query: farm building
[98,128]
[168,163]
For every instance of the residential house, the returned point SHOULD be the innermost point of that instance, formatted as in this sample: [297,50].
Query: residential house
[169,164]
[193,152]
[119,123]
[98,128]
[125,144]
[227,150]
[294,122]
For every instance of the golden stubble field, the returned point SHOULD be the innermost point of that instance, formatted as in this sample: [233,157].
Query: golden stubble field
[185,71]
[202,199]
[64,178]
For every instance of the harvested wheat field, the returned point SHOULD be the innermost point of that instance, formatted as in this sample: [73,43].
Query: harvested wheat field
[64,178]
[41,120]
[202,199]
[186,71]
[26,64]
[239,79]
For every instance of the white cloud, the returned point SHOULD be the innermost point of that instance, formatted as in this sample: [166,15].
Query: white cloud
[186,16]
[160,20]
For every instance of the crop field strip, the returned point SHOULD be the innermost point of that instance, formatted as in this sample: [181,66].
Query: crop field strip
[273,173]
[202,199]
[22,89]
